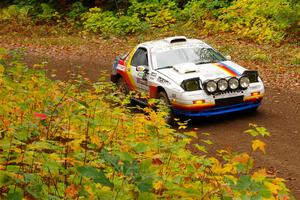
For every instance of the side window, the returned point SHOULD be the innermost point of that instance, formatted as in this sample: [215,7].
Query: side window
[140,57]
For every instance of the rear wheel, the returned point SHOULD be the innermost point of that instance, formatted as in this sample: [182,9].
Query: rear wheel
[165,106]
[122,86]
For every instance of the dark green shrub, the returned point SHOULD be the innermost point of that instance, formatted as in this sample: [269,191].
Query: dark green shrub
[76,10]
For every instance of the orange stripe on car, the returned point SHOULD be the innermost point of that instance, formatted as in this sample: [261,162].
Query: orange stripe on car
[225,69]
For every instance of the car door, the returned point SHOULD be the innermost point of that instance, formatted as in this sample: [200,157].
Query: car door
[140,58]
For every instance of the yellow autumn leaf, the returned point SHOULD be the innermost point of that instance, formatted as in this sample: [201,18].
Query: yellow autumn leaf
[259,175]
[191,133]
[273,187]
[1,69]
[241,158]
[159,185]
[257,144]
[96,140]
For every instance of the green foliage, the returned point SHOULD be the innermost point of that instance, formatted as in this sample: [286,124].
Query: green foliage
[158,14]
[76,10]
[14,13]
[261,20]
[47,13]
[59,142]
[108,23]
[198,10]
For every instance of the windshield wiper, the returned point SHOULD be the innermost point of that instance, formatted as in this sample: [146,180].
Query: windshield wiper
[202,62]
[166,67]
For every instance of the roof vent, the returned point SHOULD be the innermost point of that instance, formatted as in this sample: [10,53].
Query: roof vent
[176,39]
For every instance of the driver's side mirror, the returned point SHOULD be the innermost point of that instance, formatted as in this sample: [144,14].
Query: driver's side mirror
[228,57]
[141,68]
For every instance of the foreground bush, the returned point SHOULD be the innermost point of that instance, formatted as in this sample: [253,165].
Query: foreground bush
[60,141]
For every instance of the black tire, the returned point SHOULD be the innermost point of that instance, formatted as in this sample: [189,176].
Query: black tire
[164,100]
[122,86]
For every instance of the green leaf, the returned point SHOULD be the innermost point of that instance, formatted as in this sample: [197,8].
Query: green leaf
[112,160]
[146,196]
[36,190]
[13,168]
[95,174]
[52,166]
[145,166]
[201,148]
[140,147]
[15,195]
[244,182]
[252,132]
[145,185]
[125,156]
[190,169]
[207,141]
[4,179]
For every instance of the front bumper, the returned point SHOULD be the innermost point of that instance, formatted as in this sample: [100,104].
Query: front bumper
[218,110]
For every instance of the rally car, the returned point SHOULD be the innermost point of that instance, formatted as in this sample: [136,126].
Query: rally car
[190,76]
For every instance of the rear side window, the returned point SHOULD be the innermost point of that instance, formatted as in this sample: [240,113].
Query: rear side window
[140,57]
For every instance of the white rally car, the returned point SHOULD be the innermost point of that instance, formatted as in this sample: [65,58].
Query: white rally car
[190,76]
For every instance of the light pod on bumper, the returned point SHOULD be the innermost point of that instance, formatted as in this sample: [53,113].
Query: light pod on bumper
[244,82]
[211,86]
[233,83]
[222,85]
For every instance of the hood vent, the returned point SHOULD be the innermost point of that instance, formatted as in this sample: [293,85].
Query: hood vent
[185,68]
[176,39]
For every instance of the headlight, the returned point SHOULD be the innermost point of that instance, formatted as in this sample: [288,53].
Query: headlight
[222,84]
[211,86]
[252,75]
[244,82]
[233,83]
[191,84]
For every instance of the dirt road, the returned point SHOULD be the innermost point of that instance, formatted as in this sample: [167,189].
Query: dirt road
[280,114]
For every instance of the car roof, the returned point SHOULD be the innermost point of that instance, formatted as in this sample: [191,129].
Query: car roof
[173,42]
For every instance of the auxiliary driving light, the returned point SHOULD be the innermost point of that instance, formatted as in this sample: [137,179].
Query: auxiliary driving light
[244,82]
[211,86]
[233,83]
[222,84]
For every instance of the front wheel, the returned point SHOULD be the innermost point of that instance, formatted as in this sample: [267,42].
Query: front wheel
[165,106]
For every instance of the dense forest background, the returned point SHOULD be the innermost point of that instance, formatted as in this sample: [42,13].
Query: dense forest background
[263,21]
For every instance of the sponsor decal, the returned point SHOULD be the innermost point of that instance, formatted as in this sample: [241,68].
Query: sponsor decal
[152,76]
[163,81]
[140,74]
[121,67]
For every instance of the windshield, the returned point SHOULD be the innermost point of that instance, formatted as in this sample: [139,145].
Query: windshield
[197,55]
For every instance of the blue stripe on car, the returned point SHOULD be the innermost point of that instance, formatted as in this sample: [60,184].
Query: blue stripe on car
[218,110]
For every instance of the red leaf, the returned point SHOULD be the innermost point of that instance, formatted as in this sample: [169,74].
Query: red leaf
[156,161]
[40,116]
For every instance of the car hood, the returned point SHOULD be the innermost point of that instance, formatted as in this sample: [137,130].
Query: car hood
[209,71]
